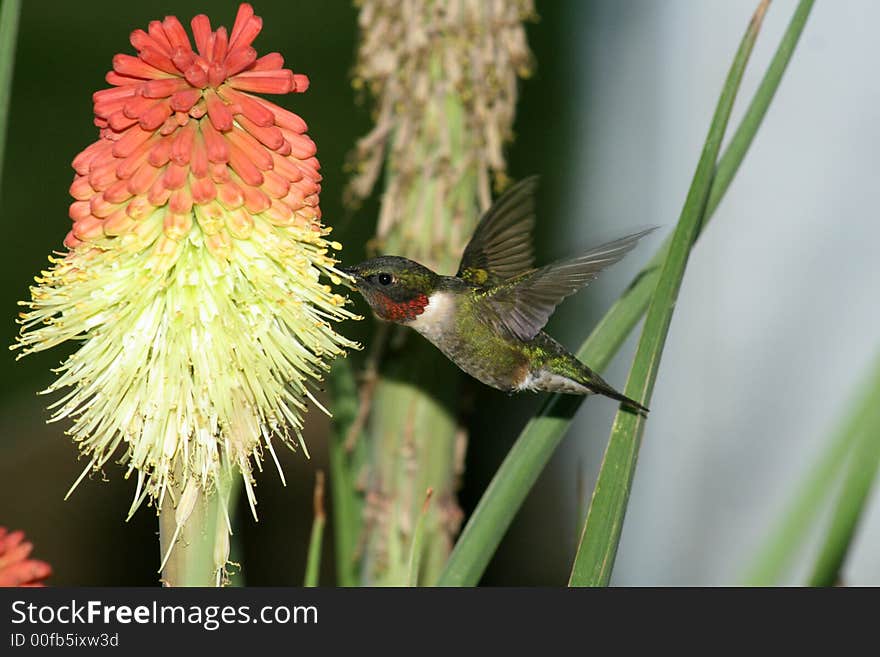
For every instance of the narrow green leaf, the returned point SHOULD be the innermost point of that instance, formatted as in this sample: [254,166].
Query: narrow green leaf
[751,121]
[540,437]
[313,560]
[601,534]
[790,533]
[864,436]
[415,554]
[9,13]
[344,466]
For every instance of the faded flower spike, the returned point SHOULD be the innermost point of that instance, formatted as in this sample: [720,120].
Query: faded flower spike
[193,270]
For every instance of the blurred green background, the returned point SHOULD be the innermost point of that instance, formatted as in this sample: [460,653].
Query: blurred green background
[775,323]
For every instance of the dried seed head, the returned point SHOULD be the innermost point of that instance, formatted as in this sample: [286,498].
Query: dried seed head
[444,76]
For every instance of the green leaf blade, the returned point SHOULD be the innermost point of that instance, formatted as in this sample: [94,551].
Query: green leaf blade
[9,14]
[601,534]
[774,558]
[864,436]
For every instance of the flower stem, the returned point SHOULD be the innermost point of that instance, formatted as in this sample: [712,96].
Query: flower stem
[313,561]
[344,466]
[415,557]
[413,430]
[194,529]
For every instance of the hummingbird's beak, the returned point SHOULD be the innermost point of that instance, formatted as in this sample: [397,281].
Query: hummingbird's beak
[352,274]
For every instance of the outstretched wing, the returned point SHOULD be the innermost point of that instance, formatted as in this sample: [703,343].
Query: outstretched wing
[501,246]
[520,307]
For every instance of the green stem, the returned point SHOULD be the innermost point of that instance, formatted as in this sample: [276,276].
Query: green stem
[9,15]
[414,435]
[443,113]
[313,561]
[415,555]
[194,534]
[413,429]
[543,433]
[344,466]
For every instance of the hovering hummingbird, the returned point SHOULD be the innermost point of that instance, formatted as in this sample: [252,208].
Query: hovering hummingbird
[487,319]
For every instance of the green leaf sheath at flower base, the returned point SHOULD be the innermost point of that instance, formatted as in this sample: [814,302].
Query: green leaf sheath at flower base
[601,534]
[540,437]
[9,15]
[313,558]
[194,533]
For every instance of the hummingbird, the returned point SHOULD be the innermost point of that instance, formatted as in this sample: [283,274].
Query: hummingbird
[488,318]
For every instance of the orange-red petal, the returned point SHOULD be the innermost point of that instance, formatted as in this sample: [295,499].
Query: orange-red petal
[135,67]
[182,134]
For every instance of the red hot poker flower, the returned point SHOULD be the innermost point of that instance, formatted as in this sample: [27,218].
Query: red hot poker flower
[180,129]
[194,276]
[16,569]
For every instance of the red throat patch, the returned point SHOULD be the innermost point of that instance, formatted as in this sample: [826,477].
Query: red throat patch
[400,311]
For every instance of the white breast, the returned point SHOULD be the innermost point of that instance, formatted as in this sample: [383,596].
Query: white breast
[438,313]
[545,380]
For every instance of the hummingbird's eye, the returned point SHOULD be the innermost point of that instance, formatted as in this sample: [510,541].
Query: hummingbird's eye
[385,279]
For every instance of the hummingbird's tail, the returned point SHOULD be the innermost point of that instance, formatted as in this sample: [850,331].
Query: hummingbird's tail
[570,375]
[563,372]
[599,386]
